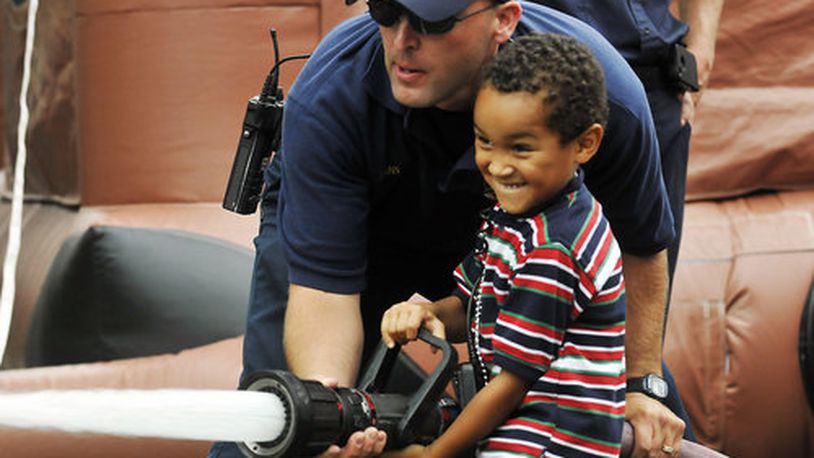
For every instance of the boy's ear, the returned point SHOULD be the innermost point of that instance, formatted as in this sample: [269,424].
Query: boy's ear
[588,143]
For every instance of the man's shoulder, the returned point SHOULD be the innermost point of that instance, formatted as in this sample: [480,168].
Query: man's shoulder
[622,84]
[338,64]
[542,19]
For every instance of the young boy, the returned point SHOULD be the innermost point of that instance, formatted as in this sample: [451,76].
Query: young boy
[542,300]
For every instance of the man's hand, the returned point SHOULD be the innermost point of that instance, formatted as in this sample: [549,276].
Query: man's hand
[688,104]
[656,429]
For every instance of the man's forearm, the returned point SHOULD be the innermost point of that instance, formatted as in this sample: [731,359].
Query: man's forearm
[703,17]
[646,286]
[323,335]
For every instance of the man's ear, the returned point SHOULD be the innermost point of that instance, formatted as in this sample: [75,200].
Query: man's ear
[588,143]
[508,16]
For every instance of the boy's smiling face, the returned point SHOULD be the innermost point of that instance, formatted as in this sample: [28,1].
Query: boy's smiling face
[520,158]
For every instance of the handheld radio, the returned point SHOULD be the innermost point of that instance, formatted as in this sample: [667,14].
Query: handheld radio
[259,138]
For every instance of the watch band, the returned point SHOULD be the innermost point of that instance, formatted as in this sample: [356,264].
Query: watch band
[651,385]
[635,385]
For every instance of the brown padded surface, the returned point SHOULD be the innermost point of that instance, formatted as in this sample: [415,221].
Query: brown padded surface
[166,93]
[747,139]
[213,366]
[760,46]
[754,128]
[732,340]
[152,93]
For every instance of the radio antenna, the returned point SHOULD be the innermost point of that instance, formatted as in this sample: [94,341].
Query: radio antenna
[271,88]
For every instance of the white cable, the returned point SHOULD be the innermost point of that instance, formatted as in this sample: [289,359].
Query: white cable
[15,222]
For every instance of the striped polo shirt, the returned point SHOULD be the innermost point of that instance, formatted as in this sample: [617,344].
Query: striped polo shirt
[552,310]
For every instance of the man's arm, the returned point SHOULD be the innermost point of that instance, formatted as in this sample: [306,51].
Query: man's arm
[703,17]
[323,335]
[646,286]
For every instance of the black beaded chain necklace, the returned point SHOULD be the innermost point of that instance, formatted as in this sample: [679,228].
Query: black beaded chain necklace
[474,309]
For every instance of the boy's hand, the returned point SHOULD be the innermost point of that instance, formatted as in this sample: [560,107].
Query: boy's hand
[361,444]
[401,322]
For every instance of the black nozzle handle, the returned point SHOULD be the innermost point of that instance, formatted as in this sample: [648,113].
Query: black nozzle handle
[430,391]
[381,363]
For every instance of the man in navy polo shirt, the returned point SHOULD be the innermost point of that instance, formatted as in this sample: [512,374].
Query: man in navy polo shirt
[375,194]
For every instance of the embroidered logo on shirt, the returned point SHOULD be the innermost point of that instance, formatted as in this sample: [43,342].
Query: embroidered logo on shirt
[572,197]
[393,169]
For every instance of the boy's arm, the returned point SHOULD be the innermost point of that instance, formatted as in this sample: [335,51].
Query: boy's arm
[485,412]
[451,312]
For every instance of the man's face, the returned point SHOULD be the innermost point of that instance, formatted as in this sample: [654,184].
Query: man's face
[439,70]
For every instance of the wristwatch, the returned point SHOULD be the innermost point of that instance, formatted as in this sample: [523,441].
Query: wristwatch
[650,385]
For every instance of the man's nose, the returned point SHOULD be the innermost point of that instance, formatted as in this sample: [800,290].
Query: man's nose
[406,37]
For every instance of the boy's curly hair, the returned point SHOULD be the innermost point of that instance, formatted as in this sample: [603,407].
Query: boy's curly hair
[563,71]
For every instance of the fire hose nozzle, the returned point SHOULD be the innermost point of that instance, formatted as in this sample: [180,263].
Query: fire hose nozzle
[317,416]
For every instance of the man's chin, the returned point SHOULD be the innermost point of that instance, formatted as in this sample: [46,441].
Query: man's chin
[413,98]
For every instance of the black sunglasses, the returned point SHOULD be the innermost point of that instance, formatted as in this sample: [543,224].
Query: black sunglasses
[387,13]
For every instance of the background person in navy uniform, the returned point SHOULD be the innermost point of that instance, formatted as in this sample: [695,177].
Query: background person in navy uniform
[375,195]
[646,34]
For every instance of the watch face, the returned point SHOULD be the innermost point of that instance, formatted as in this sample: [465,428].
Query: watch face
[656,385]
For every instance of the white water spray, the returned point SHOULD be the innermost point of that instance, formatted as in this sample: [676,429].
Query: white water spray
[211,415]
